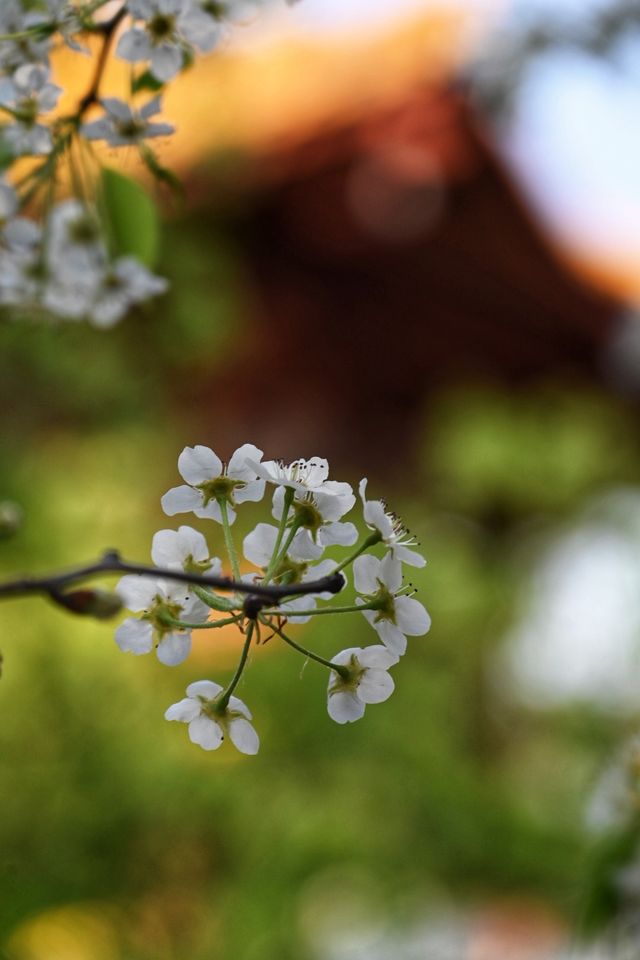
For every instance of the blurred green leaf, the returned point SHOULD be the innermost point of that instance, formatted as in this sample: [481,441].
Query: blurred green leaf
[131,217]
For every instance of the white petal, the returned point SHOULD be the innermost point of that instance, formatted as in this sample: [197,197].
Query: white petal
[303,546]
[165,548]
[238,468]
[166,61]
[135,636]
[258,545]
[134,45]
[192,543]
[204,688]
[278,503]
[391,572]
[344,657]
[239,706]
[243,736]
[405,555]
[181,500]
[199,464]
[117,108]
[334,500]
[344,534]
[391,636]
[174,648]
[185,710]
[376,516]
[137,593]
[212,512]
[411,616]
[375,686]
[380,658]
[252,491]
[206,733]
[298,603]
[150,108]
[344,706]
[366,572]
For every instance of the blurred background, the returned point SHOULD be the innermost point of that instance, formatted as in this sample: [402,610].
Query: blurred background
[410,243]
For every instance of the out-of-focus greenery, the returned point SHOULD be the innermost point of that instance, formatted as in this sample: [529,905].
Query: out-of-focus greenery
[119,838]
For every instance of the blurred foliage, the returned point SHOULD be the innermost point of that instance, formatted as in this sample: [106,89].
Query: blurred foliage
[120,839]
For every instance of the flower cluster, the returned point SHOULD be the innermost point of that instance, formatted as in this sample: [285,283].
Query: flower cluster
[290,584]
[65,266]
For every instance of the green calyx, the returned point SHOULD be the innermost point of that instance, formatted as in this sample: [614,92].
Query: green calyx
[383,604]
[288,571]
[196,566]
[220,488]
[162,615]
[307,515]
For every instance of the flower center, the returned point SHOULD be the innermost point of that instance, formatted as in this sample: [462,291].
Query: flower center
[307,515]
[161,27]
[220,488]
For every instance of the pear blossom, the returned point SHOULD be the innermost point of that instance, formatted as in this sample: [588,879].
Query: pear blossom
[123,283]
[368,681]
[183,549]
[121,126]
[27,94]
[395,615]
[209,480]
[170,30]
[208,724]
[302,475]
[318,513]
[392,531]
[157,600]
[258,547]
[16,233]
[15,19]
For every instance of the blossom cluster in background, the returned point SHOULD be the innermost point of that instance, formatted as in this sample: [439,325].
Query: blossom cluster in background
[308,509]
[69,264]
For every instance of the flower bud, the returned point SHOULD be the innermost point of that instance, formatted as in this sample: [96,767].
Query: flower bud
[101,604]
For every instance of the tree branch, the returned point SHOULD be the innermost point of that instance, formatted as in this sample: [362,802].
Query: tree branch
[111,562]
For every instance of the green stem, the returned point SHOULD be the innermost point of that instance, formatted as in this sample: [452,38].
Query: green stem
[356,608]
[369,541]
[228,539]
[214,601]
[343,671]
[289,494]
[206,625]
[223,700]
[295,526]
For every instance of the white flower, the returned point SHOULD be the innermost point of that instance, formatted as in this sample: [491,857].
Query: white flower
[16,233]
[159,601]
[183,549]
[391,529]
[209,481]
[124,282]
[305,476]
[208,724]
[394,616]
[294,567]
[121,126]
[170,30]
[28,94]
[75,250]
[15,19]
[318,512]
[367,682]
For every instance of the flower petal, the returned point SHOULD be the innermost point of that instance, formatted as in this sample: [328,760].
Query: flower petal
[344,706]
[206,733]
[199,464]
[405,555]
[366,572]
[181,500]
[258,545]
[252,491]
[204,688]
[185,710]
[174,648]
[239,706]
[135,636]
[243,736]
[344,534]
[137,593]
[238,468]
[391,636]
[380,658]
[391,572]
[411,616]
[375,686]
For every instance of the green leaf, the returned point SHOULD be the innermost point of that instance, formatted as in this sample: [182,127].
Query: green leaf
[130,216]
[146,81]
